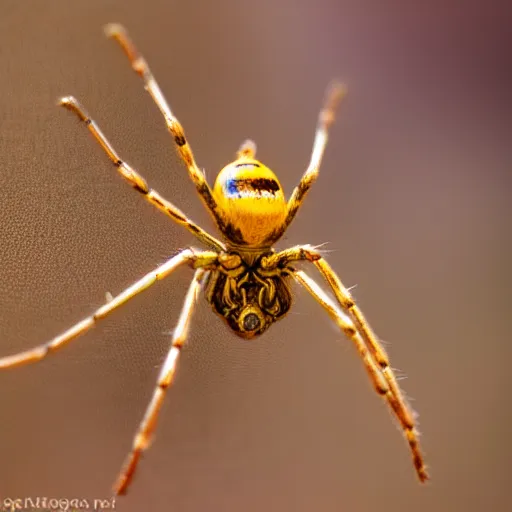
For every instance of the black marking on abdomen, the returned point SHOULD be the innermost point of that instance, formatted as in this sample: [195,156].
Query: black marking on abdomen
[245,164]
[236,186]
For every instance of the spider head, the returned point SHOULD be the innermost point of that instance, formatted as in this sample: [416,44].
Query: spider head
[251,201]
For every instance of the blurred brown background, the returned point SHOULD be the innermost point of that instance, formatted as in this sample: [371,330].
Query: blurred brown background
[413,198]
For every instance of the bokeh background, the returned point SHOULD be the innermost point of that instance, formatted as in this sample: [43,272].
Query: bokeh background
[413,200]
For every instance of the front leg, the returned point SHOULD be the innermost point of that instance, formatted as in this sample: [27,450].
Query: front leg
[325,118]
[135,179]
[140,66]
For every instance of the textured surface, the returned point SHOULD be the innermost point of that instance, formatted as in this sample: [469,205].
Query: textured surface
[416,181]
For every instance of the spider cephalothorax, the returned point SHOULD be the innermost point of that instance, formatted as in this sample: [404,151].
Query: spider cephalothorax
[247,297]
[245,279]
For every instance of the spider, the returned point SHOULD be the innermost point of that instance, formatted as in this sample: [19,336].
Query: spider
[244,279]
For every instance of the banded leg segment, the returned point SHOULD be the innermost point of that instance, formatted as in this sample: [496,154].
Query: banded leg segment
[395,397]
[326,117]
[165,379]
[195,259]
[345,300]
[136,180]
[379,379]
[140,66]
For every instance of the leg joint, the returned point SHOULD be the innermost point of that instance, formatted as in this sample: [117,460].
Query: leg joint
[180,140]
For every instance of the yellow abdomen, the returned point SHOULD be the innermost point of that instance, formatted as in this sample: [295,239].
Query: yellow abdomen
[251,203]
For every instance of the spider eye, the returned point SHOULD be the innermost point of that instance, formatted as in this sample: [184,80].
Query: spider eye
[251,322]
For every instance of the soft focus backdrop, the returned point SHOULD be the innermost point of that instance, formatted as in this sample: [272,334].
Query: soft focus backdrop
[413,200]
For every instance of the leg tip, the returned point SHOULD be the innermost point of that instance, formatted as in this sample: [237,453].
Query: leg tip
[66,101]
[121,485]
[113,29]
[334,94]
[72,104]
[336,90]
[424,476]
[119,489]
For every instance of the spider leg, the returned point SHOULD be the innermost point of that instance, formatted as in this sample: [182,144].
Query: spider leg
[379,379]
[135,179]
[391,391]
[140,66]
[326,117]
[165,379]
[195,259]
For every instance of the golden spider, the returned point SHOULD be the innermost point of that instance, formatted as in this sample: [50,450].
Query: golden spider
[244,278]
